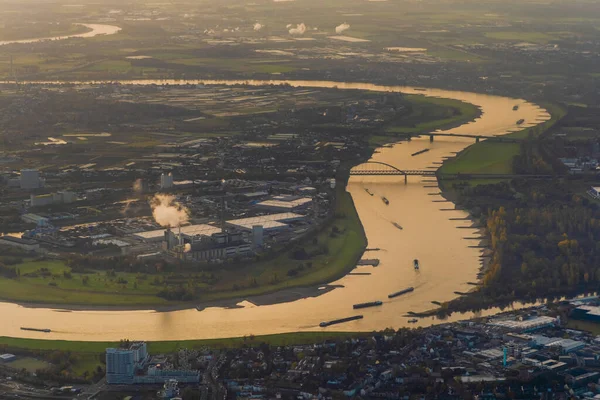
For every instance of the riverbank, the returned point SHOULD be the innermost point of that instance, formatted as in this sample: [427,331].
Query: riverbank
[166,347]
[486,158]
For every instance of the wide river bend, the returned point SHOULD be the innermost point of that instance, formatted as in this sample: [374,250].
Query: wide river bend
[432,233]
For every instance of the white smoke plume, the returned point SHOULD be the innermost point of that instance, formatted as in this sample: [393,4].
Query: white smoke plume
[137,186]
[187,248]
[341,28]
[298,30]
[288,26]
[258,27]
[167,212]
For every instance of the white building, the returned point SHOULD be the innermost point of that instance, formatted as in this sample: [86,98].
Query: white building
[30,179]
[595,192]
[35,219]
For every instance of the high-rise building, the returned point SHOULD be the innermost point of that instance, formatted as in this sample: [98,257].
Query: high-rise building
[257,235]
[30,179]
[134,366]
[121,364]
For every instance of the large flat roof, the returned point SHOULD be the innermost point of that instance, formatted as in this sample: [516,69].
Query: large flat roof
[285,204]
[18,240]
[189,230]
[271,221]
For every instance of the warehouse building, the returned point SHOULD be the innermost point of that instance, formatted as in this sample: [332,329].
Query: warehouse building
[285,203]
[272,222]
[188,233]
[27,245]
[64,197]
[7,357]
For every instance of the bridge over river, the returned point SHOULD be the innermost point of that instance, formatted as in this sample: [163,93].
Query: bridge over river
[376,168]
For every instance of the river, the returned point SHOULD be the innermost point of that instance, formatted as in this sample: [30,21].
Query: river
[431,233]
[95,30]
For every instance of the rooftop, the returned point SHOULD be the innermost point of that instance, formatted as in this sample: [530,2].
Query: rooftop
[18,240]
[190,230]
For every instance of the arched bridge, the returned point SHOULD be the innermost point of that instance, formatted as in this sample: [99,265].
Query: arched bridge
[371,168]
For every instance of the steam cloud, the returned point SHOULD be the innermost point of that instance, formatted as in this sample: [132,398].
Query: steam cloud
[298,30]
[137,186]
[288,26]
[258,27]
[341,28]
[167,212]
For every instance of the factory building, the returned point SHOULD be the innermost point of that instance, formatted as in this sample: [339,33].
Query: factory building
[591,313]
[166,181]
[525,325]
[30,179]
[285,203]
[188,233]
[35,219]
[64,197]
[27,245]
[270,223]
[258,234]
[218,246]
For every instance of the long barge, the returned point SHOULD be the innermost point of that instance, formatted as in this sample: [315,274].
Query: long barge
[401,292]
[325,324]
[368,304]
[419,152]
[46,330]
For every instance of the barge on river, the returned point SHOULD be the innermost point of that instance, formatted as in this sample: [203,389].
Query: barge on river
[325,324]
[46,330]
[401,292]
[369,304]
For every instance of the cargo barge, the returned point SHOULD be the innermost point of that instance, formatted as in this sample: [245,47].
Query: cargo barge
[419,152]
[385,200]
[401,292]
[36,329]
[366,305]
[519,122]
[325,324]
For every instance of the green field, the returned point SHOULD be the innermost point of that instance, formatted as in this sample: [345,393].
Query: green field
[28,363]
[431,113]
[496,157]
[483,158]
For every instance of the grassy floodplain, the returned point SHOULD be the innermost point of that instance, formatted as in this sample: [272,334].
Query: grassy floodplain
[87,355]
[165,347]
[496,157]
